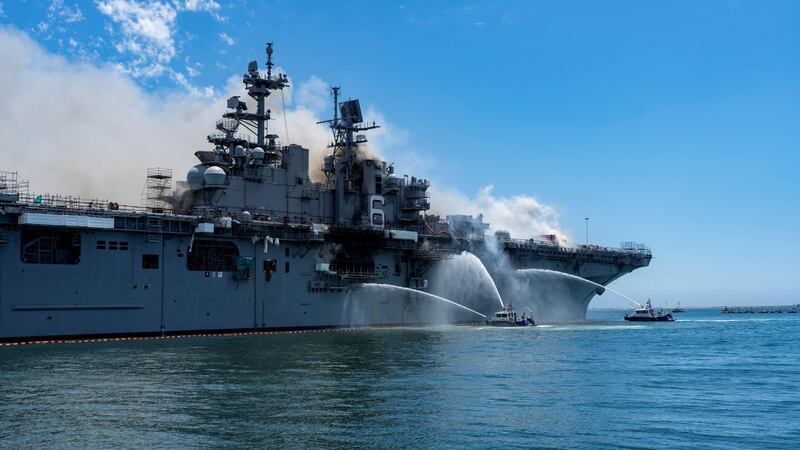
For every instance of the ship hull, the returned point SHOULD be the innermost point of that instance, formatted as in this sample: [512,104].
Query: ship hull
[122,282]
[113,292]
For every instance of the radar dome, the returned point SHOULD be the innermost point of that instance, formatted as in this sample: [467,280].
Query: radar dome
[214,177]
[258,156]
[238,151]
[195,177]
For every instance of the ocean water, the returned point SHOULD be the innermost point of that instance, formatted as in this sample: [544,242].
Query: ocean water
[706,381]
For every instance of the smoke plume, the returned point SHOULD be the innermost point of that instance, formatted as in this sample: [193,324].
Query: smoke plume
[89,130]
[523,216]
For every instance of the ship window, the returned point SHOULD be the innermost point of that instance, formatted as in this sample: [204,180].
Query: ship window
[287,252]
[377,219]
[123,246]
[214,256]
[270,265]
[50,247]
[287,266]
[378,184]
[377,204]
[101,245]
[149,261]
[112,245]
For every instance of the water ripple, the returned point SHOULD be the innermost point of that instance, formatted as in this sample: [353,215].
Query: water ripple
[701,382]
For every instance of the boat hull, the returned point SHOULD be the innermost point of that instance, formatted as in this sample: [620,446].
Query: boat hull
[666,318]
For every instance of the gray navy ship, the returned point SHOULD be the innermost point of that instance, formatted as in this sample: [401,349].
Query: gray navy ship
[249,242]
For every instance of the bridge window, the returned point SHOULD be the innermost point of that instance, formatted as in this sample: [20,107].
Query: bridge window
[50,247]
[212,256]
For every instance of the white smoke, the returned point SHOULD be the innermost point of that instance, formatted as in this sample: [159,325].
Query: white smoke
[523,216]
[89,130]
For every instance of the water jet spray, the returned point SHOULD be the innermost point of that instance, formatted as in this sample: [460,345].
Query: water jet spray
[575,277]
[414,291]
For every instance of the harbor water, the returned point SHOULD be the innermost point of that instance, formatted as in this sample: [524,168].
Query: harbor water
[708,380]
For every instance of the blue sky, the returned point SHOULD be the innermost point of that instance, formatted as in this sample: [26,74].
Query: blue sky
[669,123]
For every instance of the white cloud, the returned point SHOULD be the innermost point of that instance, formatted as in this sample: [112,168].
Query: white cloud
[201,5]
[226,39]
[59,10]
[313,95]
[209,6]
[181,80]
[58,14]
[147,34]
[147,31]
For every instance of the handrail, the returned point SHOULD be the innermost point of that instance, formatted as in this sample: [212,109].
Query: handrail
[640,249]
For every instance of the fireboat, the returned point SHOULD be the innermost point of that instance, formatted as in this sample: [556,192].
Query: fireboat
[646,313]
[508,318]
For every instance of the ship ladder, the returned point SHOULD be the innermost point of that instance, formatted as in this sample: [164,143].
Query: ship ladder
[5,237]
[154,229]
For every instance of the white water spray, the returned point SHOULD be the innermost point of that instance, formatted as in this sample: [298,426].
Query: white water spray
[473,261]
[464,277]
[414,291]
[575,277]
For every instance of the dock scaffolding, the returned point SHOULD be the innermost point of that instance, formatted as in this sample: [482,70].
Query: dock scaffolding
[11,185]
[158,189]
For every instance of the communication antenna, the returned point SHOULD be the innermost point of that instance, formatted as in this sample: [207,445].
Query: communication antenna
[269,60]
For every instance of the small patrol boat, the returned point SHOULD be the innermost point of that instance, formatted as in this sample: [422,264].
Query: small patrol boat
[508,318]
[646,313]
[678,308]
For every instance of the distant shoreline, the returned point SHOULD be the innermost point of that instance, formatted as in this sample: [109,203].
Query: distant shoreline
[624,308]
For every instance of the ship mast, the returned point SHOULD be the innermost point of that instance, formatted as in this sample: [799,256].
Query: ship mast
[347,120]
[258,88]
